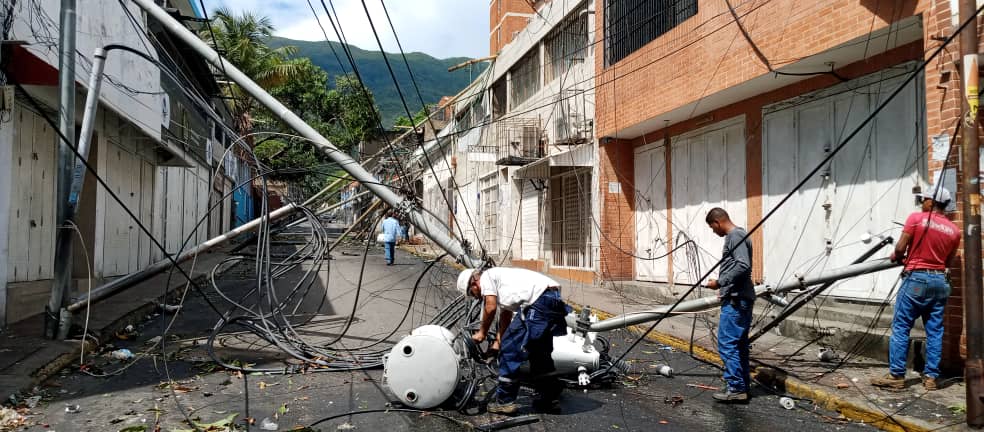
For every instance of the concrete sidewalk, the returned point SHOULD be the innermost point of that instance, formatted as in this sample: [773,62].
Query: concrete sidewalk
[27,358]
[791,366]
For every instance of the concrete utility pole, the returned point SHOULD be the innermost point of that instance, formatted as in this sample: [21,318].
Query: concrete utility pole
[61,283]
[972,293]
[357,171]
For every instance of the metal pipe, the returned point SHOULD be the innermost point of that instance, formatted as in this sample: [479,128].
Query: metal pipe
[806,297]
[973,292]
[446,242]
[159,266]
[55,324]
[705,303]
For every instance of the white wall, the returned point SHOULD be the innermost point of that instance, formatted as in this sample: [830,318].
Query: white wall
[6,188]
[100,22]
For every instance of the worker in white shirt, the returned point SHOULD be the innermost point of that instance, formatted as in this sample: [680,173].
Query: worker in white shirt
[535,299]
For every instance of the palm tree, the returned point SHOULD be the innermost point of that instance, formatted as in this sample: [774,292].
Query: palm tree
[242,40]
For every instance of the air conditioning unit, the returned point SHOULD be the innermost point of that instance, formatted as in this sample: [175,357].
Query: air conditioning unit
[569,129]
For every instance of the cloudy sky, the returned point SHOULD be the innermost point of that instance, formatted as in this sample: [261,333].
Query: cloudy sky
[441,28]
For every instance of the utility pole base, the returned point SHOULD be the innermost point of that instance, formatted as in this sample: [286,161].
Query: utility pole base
[974,380]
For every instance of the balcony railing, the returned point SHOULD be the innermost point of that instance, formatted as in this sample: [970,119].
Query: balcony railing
[518,141]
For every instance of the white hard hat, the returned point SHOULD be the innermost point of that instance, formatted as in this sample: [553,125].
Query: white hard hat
[463,279]
[939,194]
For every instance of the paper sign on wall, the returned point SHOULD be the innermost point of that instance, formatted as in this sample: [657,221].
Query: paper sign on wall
[941,145]
[614,187]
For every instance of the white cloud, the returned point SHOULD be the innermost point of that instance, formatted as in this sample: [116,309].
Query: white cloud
[441,28]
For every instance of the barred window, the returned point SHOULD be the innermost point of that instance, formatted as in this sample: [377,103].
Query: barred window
[631,24]
[525,78]
[565,45]
[490,213]
[570,219]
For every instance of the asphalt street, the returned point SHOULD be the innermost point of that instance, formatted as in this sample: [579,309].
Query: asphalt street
[167,390]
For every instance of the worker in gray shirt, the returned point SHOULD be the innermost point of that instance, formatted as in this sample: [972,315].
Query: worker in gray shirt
[737,296]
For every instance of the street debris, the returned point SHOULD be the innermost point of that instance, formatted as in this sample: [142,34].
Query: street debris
[73,409]
[345,426]
[787,403]
[268,424]
[842,385]
[10,418]
[32,401]
[122,354]
[673,401]
[664,370]
[170,308]
[704,387]
[826,355]
[225,425]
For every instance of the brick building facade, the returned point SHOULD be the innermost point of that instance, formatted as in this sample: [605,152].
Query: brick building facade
[696,118]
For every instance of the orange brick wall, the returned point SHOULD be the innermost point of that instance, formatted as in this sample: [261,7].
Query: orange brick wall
[504,25]
[943,111]
[707,53]
[615,164]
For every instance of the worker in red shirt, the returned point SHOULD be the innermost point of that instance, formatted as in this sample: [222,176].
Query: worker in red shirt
[928,243]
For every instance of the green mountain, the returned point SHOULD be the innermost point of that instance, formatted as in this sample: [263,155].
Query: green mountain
[431,74]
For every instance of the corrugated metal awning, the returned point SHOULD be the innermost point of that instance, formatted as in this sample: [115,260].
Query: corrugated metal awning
[580,156]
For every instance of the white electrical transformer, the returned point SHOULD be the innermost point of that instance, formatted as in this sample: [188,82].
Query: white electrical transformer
[423,369]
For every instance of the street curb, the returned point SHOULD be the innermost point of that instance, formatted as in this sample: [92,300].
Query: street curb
[849,407]
[101,336]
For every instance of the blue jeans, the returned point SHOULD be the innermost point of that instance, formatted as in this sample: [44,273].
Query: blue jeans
[390,248]
[736,319]
[530,337]
[922,295]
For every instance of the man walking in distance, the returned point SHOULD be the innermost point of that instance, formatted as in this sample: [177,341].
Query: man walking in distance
[535,299]
[737,296]
[928,242]
[391,232]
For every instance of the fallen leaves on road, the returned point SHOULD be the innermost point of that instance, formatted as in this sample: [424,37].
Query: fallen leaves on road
[10,418]
[225,425]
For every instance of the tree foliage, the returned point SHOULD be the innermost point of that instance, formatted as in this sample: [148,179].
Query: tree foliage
[342,113]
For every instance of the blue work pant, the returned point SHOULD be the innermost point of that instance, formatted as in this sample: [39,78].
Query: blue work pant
[530,337]
[736,319]
[922,295]
[390,248]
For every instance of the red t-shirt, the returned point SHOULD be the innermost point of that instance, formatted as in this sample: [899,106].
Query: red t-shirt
[934,237]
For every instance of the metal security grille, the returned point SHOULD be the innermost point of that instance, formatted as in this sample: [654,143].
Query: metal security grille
[570,195]
[490,213]
[524,78]
[566,45]
[631,24]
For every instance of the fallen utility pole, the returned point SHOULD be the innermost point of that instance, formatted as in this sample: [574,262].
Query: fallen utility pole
[357,171]
[705,303]
[973,292]
[117,285]
[805,298]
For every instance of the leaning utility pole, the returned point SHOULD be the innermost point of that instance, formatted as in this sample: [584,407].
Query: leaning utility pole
[61,283]
[426,225]
[972,292]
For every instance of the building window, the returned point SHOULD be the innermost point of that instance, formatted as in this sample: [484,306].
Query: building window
[524,78]
[570,219]
[631,24]
[490,213]
[565,45]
